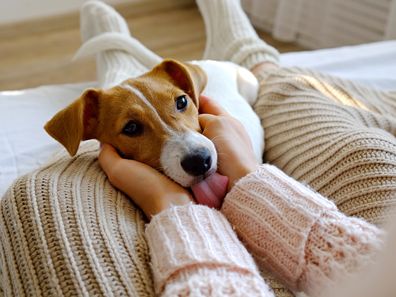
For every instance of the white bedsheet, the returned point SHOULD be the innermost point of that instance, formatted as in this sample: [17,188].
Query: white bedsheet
[372,64]
[24,145]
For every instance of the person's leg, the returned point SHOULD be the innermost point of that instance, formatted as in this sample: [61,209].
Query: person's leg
[344,92]
[330,133]
[231,37]
[116,64]
[319,132]
[66,231]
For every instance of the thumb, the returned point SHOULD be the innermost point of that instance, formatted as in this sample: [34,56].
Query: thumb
[108,156]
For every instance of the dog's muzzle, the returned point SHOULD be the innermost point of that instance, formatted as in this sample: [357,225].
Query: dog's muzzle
[188,158]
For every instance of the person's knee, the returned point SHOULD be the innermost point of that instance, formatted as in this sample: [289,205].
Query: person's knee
[372,142]
[362,178]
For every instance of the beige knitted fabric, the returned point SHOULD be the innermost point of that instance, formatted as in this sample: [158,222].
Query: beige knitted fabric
[195,252]
[291,230]
[297,234]
[334,135]
[65,231]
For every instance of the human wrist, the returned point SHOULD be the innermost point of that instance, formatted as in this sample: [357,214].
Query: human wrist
[164,201]
[241,171]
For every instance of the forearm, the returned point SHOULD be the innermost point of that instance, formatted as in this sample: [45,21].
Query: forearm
[296,233]
[194,249]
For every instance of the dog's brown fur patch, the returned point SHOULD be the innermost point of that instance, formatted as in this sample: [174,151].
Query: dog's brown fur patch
[102,114]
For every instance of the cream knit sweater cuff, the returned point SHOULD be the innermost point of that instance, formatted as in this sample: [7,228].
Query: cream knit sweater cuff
[192,237]
[274,214]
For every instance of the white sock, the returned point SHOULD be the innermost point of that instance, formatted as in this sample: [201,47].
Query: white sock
[114,64]
[230,35]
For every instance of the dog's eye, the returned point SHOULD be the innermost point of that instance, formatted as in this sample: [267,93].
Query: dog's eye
[181,102]
[132,128]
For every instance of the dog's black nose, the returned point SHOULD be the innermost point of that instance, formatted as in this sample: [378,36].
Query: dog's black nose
[198,162]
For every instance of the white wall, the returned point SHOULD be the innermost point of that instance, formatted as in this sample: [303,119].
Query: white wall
[12,11]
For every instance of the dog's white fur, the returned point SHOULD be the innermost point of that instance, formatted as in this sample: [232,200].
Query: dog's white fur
[176,148]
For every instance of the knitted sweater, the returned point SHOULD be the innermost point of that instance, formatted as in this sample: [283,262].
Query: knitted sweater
[66,231]
[333,134]
[291,230]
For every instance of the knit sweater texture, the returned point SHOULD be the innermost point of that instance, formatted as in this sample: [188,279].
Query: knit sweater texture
[334,135]
[66,231]
[294,231]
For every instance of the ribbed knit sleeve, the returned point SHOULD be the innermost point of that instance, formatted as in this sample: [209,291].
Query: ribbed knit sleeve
[195,252]
[296,233]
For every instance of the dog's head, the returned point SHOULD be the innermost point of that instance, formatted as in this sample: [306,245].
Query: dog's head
[152,118]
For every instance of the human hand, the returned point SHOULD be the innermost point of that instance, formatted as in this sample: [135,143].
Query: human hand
[235,151]
[152,191]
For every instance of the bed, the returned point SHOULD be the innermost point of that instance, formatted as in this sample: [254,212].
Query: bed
[24,145]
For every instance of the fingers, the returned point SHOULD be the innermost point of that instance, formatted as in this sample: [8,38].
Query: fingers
[209,110]
[108,156]
[208,106]
[121,171]
[113,164]
[204,119]
[147,187]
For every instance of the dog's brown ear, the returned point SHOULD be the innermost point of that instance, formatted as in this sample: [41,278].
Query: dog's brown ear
[188,77]
[76,122]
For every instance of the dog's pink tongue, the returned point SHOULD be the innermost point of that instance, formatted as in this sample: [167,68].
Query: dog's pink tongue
[211,191]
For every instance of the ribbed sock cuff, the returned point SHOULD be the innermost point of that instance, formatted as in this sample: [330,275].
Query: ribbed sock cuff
[251,52]
[114,64]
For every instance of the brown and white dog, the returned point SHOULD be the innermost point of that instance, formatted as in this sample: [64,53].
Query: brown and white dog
[154,118]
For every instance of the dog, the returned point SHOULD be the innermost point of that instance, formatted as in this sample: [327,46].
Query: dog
[153,118]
